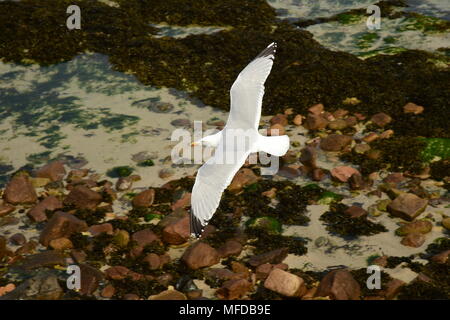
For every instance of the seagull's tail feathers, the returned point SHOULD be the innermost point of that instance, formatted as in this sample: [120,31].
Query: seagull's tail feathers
[274,145]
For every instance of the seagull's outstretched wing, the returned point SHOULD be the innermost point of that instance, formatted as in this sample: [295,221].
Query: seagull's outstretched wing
[247,90]
[212,179]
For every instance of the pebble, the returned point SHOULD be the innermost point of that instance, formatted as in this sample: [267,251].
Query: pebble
[61,225]
[20,190]
[414,240]
[418,226]
[339,285]
[234,289]
[6,209]
[18,239]
[285,283]
[316,109]
[315,122]
[243,177]
[335,142]
[381,119]
[37,213]
[407,206]
[343,173]
[54,171]
[144,198]
[280,119]
[412,108]
[298,119]
[83,198]
[200,255]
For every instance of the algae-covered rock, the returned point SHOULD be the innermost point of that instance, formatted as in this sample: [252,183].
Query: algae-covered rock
[268,224]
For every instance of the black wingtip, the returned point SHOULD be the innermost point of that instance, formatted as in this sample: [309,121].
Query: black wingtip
[196,227]
[270,50]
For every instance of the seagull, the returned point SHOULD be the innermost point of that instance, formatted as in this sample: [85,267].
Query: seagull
[216,174]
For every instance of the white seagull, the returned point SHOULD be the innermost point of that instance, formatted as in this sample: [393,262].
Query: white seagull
[245,112]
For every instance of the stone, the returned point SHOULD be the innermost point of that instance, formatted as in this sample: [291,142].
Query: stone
[6,209]
[298,119]
[121,272]
[407,206]
[27,248]
[20,190]
[441,257]
[414,240]
[289,171]
[394,178]
[124,183]
[83,198]
[231,247]
[381,119]
[335,142]
[121,238]
[97,229]
[177,232]
[153,260]
[234,289]
[316,109]
[200,255]
[61,244]
[393,288]
[340,113]
[17,239]
[276,130]
[343,173]
[446,223]
[78,255]
[131,296]
[361,148]
[387,134]
[308,157]
[37,213]
[90,279]
[108,291]
[339,285]
[144,237]
[357,182]
[351,121]
[370,137]
[285,283]
[61,224]
[183,202]
[274,256]
[43,286]
[418,226]
[279,119]
[169,295]
[48,258]
[315,122]
[381,261]
[412,108]
[54,171]
[355,212]
[144,198]
[166,173]
[338,124]
[243,177]
[318,174]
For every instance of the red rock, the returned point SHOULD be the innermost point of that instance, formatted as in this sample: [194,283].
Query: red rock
[6,209]
[83,198]
[279,119]
[144,198]
[168,295]
[177,232]
[234,289]
[90,279]
[355,212]
[144,237]
[407,206]
[316,109]
[60,244]
[97,229]
[274,256]
[78,255]
[335,142]
[231,247]
[61,225]
[121,272]
[285,283]
[108,291]
[360,116]
[441,257]
[184,202]
[224,274]
[370,137]
[37,213]
[243,177]
[153,260]
[308,157]
[263,270]
[393,288]
[339,285]
[343,173]
[414,240]
[387,134]
[276,130]
[315,122]
[318,174]
[54,171]
[17,239]
[298,119]
[200,255]
[381,119]
[412,108]
[20,190]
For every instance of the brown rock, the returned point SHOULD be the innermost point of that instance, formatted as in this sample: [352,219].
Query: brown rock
[361,148]
[316,109]
[335,142]
[338,124]
[54,171]
[339,285]
[131,296]
[6,209]
[407,206]
[441,257]
[355,212]
[340,113]
[60,244]
[279,119]
[17,239]
[414,240]
[351,121]
[446,223]
[381,261]
[124,183]
[290,171]
[90,279]
[418,226]
[108,291]
[121,272]
[298,119]
[168,295]
[27,248]
[48,258]
[234,289]
[224,274]
[370,137]
[243,177]
[78,255]
[276,130]
[144,237]
[144,198]
[357,182]
[153,261]
[394,178]
[263,270]
[20,190]
[308,157]
[83,198]
[37,213]
[270,193]
[231,247]
[381,119]
[61,225]
[274,256]
[393,288]
[387,134]
[412,108]
[315,122]
[177,232]
[183,202]
[200,255]
[97,229]
[343,173]
[318,174]
[285,283]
